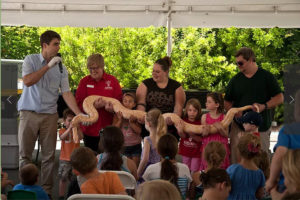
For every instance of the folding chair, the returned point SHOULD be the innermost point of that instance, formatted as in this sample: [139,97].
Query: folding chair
[21,195]
[126,178]
[100,197]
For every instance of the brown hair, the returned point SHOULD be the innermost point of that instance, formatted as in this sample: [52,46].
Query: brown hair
[112,141]
[218,98]
[165,63]
[167,147]
[196,104]
[249,146]
[130,94]
[247,53]
[214,176]
[290,167]
[68,112]
[157,189]
[262,162]
[29,174]
[48,36]
[97,59]
[83,160]
[155,118]
[214,154]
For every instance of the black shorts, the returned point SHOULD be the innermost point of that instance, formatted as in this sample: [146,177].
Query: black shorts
[131,151]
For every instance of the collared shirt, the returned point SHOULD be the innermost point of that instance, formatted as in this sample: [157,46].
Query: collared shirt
[108,86]
[42,96]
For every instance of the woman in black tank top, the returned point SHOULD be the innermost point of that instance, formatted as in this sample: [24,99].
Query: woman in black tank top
[161,92]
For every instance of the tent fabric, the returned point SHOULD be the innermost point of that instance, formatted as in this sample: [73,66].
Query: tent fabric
[143,13]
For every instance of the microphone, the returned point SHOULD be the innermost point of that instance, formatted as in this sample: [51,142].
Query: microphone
[60,64]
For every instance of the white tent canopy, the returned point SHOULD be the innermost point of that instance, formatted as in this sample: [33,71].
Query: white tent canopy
[143,13]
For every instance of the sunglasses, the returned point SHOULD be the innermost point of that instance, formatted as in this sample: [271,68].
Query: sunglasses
[240,63]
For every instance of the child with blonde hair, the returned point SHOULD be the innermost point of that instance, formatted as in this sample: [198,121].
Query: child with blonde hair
[157,189]
[291,173]
[215,105]
[131,129]
[214,155]
[247,180]
[155,124]
[190,144]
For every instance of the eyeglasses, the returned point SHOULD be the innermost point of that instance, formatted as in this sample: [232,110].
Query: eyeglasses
[240,63]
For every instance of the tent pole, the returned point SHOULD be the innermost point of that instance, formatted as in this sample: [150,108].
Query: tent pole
[169,45]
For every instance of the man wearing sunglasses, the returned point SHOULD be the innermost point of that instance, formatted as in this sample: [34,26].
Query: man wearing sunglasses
[252,86]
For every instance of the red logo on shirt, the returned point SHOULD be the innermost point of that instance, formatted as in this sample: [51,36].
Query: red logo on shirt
[108,87]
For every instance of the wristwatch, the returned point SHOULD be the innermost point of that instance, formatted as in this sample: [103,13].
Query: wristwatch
[266,106]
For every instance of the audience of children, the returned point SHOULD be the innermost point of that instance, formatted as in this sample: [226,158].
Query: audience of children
[215,105]
[168,169]
[247,180]
[190,144]
[28,175]
[156,190]
[216,183]
[155,124]
[67,147]
[204,155]
[84,163]
[112,141]
[131,129]
[214,155]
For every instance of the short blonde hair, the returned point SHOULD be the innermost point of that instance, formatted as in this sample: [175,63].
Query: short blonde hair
[97,59]
[157,189]
[290,167]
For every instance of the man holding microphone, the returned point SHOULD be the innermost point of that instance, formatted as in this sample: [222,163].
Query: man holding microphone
[44,77]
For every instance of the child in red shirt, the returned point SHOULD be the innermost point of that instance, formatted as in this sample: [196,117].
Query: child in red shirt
[190,144]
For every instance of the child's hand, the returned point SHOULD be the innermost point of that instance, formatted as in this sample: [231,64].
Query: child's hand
[179,126]
[205,130]
[276,195]
[219,127]
[119,115]
[169,122]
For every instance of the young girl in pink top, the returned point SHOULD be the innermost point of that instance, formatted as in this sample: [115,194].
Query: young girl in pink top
[190,144]
[215,106]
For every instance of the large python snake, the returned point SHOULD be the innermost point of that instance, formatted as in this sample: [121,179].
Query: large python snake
[92,116]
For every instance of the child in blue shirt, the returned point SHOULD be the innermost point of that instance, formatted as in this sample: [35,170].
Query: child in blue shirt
[29,177]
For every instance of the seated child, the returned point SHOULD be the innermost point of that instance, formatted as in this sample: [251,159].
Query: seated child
[29,177]
[158,189]
[168,169]
[67,146]
[84,163]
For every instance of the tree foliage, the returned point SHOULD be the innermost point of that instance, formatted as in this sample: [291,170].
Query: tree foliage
[203,58]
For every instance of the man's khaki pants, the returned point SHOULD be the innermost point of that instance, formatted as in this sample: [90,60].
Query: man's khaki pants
[233,134]
[31,126]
